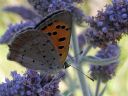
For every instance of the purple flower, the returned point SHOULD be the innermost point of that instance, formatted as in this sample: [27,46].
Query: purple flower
[25,13]
[78,1]
[81,40]
[105,73]
[109,25]
[92,37]
[16,28]
[31,84]
[45,7]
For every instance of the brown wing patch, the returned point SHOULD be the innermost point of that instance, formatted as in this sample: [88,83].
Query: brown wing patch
[59,33]
[38,52]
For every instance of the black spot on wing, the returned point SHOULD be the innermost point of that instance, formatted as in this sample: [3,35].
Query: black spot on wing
[49,33]
[60,54]
[54,33]
[62,39]
[60,47]
[63,27]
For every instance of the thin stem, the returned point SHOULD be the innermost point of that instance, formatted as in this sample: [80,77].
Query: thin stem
[98,87]
[82,80]
[70,58]
[71,83]
[103,90]
[85,51]
[90,91]
[99,61]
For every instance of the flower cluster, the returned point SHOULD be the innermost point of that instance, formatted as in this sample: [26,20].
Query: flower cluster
[31,84]
[109,25]
[16,28]
[105,72]
[82,40]
[25,13]
[45,7]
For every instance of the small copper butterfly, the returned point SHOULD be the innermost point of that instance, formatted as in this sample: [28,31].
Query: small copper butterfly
[46,46]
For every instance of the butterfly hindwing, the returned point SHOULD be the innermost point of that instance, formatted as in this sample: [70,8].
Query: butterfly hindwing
[34,49]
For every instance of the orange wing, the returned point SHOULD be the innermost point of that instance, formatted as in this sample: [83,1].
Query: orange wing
[58,27]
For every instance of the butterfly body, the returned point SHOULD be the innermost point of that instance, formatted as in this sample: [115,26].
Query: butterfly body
[46,46]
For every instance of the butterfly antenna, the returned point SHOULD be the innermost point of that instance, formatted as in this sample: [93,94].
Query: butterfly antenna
[67,65]
[82,72]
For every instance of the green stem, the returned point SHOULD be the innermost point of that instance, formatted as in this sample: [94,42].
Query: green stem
[82,80]
[102,92]
[98,61]
[72,85]
[98,87]
[85,51]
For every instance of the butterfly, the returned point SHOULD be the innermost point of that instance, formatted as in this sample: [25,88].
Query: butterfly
[46,46]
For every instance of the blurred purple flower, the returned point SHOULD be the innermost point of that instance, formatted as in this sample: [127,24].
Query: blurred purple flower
[105,73]
[16,28]
[25,13]
[81,40]
[45,7]
[31,84]
[78,1]
[109,25]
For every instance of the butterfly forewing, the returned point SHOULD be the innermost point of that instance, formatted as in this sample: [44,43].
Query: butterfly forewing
[58,28]
[34,49]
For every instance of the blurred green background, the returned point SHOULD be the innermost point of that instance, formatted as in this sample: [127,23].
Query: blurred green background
[118,86]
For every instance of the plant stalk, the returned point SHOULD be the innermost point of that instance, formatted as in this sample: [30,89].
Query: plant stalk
[98,87]
[82,80]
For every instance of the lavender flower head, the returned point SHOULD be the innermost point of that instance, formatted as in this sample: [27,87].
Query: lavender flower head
[109,25]
[45,7]
[31,84]
[25,13]
[105,73]
[15,29]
